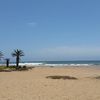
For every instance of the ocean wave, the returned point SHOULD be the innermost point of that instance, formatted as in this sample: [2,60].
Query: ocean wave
[44,64]
[30,64]
[24,64]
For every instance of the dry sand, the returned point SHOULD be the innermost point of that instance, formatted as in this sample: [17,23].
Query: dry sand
[33,84]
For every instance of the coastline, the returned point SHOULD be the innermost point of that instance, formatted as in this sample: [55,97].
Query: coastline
[33,84]
[57,63]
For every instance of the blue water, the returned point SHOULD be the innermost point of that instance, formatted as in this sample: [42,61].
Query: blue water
[73,62]
[58,63]
[66,62]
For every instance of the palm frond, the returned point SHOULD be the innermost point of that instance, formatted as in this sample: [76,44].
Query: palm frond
[17,53]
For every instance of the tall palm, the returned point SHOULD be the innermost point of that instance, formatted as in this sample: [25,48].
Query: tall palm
[17,53]
[1,55]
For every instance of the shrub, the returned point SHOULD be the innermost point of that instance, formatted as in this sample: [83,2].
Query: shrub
[62,77]
[98,77]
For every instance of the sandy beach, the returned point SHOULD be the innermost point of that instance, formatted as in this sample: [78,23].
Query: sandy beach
[33,84]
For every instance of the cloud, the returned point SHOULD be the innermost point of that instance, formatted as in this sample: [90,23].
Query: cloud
[32,24]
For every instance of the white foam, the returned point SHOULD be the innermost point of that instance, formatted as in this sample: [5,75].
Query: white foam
[67,64]
[30,64]
[24,64]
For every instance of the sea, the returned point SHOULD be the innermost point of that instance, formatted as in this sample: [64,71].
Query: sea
[57,63]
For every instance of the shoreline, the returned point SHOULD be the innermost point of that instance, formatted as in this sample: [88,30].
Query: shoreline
[53,65]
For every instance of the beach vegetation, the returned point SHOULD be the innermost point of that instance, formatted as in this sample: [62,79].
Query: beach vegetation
[7,69]
[98,77]
[62,77]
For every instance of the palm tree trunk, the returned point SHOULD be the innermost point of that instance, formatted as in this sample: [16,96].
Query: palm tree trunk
[17,62]
[7,63]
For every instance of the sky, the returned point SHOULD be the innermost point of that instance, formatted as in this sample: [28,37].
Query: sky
[51,29]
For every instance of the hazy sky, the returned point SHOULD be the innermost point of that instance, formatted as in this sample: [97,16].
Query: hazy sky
[51,29]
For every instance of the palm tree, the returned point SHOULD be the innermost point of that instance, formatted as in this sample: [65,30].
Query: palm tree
[1,55]
[17,53]
[7,62]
